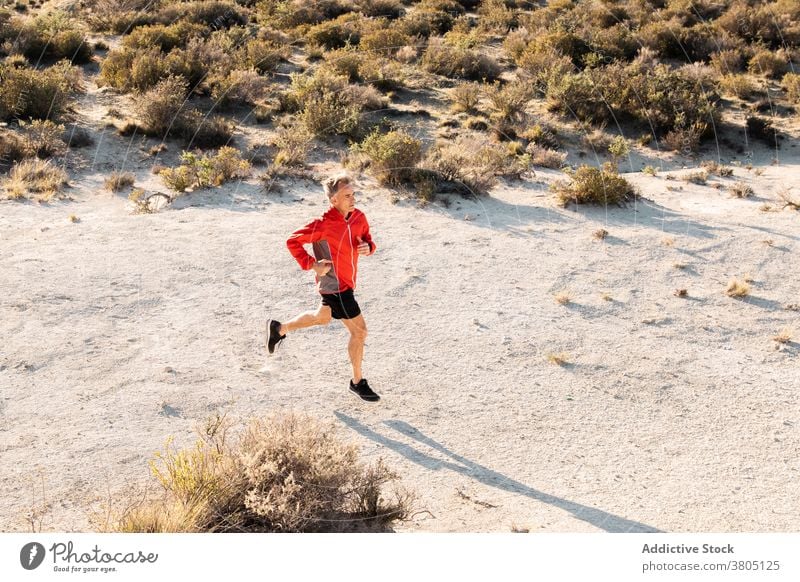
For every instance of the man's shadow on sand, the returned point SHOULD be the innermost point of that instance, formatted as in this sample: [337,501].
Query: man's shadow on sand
[596,517]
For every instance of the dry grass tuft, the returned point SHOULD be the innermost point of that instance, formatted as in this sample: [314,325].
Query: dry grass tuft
[560,358]
[741,190]
[600,234]
[784,336]
[737,288]
[118,181]
[37,179]
[563,297]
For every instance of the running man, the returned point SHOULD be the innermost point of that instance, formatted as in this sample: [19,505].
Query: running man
[337,239]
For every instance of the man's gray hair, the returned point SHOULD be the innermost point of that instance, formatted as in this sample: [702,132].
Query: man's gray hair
[331,185]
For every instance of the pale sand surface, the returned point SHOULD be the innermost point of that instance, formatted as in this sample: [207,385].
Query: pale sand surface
[673,414]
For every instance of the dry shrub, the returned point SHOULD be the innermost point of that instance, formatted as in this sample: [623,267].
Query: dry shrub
[740,86]
[761,128]
[544,64]
[118,181]
[12,149]
[381,8]
[38,94]
[700,177]
[204,132]
[465,96]
[685,140]
[160,108]
[238,87]
[293,144]
[327,103]
[727,62]
[772,64]
[496,16]
[791,84]
[576,95]
[128,69]
[590,185]
[737,288]
[470,167]
[386,41]
[459,63]
[43,138]
[541,135]
[382,73]
[507,102]
[392,156]
[264,55]
[38,179]
[52,36]
[333,34]
[431,17]
[345,61]
[740,190]
[545,158]
[286,473]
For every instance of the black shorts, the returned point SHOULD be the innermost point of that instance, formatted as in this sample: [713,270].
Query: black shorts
[343,305]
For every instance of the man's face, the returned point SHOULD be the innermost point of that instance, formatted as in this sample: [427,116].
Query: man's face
[345,199]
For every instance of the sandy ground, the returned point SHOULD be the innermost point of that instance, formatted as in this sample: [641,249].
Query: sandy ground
[671,414]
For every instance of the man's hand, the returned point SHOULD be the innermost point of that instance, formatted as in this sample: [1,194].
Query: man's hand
[362,248]
[322,267]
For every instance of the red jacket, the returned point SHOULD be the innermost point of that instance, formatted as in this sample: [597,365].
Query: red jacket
[335,238]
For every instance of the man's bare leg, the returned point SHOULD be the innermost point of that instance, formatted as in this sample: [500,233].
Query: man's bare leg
[322,316]
[358,335]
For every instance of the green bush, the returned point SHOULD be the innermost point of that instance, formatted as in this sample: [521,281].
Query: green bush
[590,185]
[392,156]
[205,171]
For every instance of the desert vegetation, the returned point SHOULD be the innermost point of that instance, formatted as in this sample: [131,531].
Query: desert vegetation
[344,71]
[284,473]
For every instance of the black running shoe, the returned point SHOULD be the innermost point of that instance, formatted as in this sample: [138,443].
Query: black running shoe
[363,390]
[274,336]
